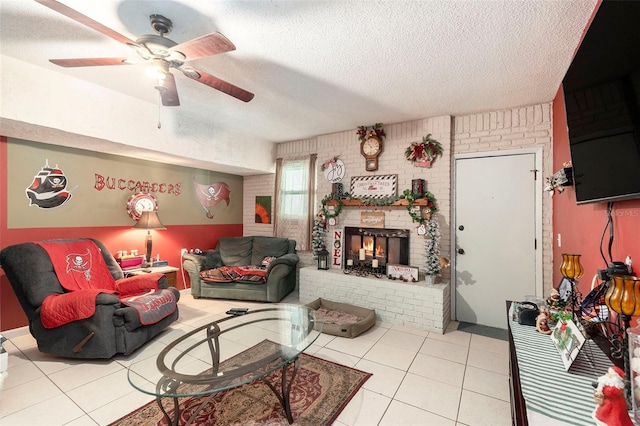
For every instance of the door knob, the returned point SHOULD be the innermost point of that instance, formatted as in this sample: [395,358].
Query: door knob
[461,227]
[460,251]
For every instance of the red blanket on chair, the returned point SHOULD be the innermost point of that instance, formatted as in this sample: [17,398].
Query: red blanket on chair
[82,271]
[79,265]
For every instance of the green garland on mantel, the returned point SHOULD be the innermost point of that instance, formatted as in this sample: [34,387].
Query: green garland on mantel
[381,202]
[411,197]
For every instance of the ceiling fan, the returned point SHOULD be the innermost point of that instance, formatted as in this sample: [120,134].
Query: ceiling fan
[159,51]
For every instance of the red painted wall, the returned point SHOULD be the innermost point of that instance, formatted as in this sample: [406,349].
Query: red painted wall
[168,243]
[581,226]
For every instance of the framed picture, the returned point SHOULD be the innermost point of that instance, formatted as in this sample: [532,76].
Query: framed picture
[568,340]
[263,209]
[379,186]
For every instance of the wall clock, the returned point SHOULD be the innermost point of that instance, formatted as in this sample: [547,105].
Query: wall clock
[371,148]
[140,202]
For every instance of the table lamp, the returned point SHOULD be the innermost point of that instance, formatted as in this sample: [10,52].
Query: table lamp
[149,220]
[571,269]
[623,297]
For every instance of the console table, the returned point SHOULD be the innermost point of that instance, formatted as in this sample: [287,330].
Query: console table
[542,392]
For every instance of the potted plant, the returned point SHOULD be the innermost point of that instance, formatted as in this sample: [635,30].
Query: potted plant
[424,153]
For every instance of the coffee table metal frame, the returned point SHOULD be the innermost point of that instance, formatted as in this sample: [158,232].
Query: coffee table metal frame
[167,386]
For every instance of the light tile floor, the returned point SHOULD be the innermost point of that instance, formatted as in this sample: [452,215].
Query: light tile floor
[419,377]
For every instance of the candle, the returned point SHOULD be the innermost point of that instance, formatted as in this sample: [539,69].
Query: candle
[362,256]
[349,262]
[374,263]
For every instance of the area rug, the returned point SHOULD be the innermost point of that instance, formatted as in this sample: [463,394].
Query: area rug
[320,391]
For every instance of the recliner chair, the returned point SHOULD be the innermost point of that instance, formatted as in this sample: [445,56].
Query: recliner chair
[118,323]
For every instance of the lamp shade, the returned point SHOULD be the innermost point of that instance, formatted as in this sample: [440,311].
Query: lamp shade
[623,295]
[571,267]
[149,220]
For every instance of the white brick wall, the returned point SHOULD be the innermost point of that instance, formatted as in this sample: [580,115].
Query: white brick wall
[412,304]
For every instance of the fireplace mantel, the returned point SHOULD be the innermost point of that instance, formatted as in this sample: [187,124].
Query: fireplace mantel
[354,202]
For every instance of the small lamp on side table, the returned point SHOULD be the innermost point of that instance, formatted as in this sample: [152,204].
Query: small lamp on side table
[149,220]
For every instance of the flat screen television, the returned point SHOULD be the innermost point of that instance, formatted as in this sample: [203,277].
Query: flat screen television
[601,91]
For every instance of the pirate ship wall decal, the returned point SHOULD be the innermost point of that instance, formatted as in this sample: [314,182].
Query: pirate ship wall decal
[49,188]
[210,195]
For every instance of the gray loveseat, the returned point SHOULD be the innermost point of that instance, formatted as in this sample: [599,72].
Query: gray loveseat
[249,251]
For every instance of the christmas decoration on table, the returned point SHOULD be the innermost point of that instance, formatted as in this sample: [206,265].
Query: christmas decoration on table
[611,404]
[375,130]
[542,323]
[424,153]
[317,235]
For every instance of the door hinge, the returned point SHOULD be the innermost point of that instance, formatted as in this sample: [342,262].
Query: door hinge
[535,244]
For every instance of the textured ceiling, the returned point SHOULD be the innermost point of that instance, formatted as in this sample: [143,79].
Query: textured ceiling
[318,67]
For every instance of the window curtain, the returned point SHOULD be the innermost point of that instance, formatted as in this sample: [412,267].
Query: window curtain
[295,199]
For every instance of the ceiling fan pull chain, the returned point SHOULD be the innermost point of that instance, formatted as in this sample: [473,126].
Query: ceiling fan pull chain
[159,112]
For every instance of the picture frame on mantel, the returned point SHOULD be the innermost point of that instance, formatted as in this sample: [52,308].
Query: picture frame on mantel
[379,186]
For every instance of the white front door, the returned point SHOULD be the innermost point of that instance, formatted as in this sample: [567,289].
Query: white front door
[495,235]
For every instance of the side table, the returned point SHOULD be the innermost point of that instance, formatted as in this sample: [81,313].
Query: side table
[171,272]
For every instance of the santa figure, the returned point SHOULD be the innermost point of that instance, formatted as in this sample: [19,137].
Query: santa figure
[612,404]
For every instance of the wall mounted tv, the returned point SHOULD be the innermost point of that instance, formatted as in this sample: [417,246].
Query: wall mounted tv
[601,92]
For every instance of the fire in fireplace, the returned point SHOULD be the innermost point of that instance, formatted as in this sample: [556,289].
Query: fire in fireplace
[386,245]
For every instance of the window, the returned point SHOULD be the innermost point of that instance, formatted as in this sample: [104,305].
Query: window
[295,178]
[295,186]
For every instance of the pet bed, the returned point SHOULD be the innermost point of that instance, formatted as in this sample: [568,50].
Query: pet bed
[342,319]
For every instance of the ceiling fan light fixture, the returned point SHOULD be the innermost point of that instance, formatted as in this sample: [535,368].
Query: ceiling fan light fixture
[158,71]
[160,52]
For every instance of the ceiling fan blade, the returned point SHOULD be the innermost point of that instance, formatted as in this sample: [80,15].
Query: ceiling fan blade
[207,45]
[89,62]
[169,91]
[217,84]
[85,20]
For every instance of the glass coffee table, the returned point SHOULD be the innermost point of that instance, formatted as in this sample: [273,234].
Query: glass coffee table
[228,353]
